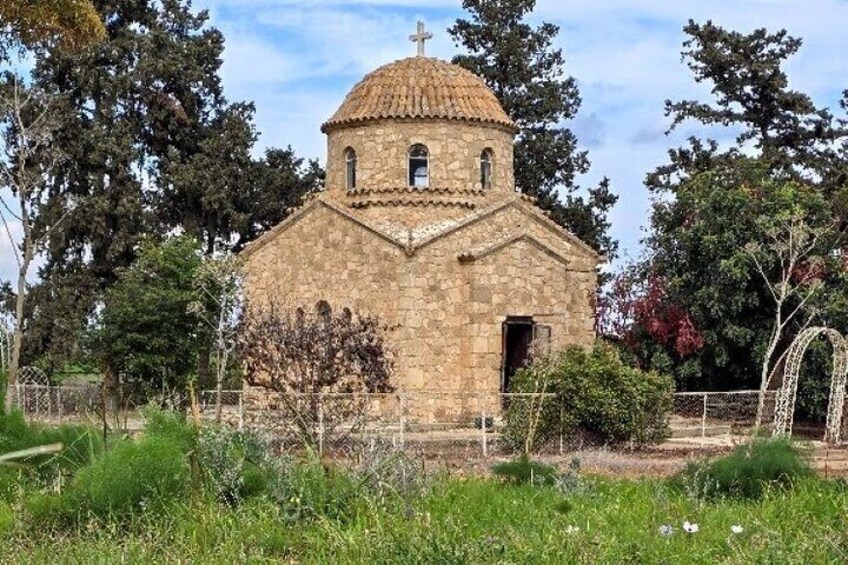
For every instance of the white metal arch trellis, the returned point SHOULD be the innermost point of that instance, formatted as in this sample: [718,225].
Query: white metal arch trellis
[32,376]
[788,392]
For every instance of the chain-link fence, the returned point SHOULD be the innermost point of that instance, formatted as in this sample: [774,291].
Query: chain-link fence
[436,424]
[712,414]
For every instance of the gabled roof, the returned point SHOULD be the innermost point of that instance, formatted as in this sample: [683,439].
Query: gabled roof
[412,240]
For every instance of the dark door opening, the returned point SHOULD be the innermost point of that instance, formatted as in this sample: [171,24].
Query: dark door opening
[517,338]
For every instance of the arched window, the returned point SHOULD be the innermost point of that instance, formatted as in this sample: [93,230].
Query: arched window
[419,166]
[486,160]
[350,168]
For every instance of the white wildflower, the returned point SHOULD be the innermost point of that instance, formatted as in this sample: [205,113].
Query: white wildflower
[666,530]
[690,527]
[737,529]
[571,530]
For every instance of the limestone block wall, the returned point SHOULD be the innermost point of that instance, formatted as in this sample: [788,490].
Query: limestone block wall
[324,256]
[448,313]
[382,148]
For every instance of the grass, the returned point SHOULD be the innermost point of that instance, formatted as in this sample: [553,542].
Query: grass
[472,521]
[135,502]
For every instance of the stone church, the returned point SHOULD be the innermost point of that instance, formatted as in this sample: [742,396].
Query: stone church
[421,224]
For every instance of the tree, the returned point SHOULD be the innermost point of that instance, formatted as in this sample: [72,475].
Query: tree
[796,252]
[27,162]
[752,95]
[305,356]
[148,334]
[153,147]
[70,23]
[218,285]
[710,203]
[526,74]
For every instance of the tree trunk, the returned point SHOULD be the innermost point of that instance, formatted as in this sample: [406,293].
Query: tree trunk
[18,337]
[764,375]
[203,370]
[220,371]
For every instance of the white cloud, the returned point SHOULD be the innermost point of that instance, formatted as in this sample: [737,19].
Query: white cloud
[297,59]
[625,55]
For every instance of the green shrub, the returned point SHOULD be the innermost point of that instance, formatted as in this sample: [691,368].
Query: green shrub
[234,463]
[47,511]
[307,489]
[132,477]
[595,394]
[171,426]
[81,444]
[7,517]
[524,471]
[748,471]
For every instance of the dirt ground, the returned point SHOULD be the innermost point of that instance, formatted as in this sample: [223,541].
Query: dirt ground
[660,461]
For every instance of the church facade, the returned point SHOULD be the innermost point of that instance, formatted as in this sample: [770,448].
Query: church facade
[420,224]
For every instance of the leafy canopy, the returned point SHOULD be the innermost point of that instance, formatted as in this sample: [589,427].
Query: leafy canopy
[518,62]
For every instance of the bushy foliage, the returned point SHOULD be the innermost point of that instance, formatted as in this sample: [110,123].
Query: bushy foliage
[147,331]
[131,477]
[386,472]
[308,490]
[594,394]
[81,445]
[235,463]
[748,471]
[127,479]
[523,471]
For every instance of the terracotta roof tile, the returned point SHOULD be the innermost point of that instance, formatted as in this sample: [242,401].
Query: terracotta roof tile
[420,87]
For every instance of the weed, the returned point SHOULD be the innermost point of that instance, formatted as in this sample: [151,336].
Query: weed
[524,470]
[748,471]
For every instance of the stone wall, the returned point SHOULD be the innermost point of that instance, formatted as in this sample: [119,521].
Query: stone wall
[455,148]
[448,296]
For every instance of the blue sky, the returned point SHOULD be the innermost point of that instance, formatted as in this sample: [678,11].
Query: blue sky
[296,59]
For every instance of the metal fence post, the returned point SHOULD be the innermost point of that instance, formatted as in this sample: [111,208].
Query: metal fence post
[704,418]
[561,441]
[320,426]
[483,429]
[402,420]
[240,409]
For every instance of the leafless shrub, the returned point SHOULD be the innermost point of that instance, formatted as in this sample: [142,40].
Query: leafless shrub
[320,365]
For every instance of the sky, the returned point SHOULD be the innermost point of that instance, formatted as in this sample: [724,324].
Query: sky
[297,59]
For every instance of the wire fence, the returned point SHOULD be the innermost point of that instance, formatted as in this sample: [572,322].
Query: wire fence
[437,424]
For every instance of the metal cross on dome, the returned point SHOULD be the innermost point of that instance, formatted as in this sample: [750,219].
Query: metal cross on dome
[420,37]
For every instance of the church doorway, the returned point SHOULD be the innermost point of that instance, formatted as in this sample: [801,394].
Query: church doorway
[517,336]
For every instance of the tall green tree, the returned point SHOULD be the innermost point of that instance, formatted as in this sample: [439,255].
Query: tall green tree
[518,62]
[696,281]
[751,95]
[153,146]
[148,331]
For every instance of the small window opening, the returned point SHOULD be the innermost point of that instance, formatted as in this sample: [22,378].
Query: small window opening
[419,166]
[350,164]
[486,159]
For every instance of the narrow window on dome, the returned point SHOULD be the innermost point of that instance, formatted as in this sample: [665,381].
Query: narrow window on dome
[350,164]
[419,166]
[486,160]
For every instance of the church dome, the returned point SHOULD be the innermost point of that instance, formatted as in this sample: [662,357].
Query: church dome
[420,87]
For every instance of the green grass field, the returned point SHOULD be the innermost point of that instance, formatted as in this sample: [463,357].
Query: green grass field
[470,521]
[180,493]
